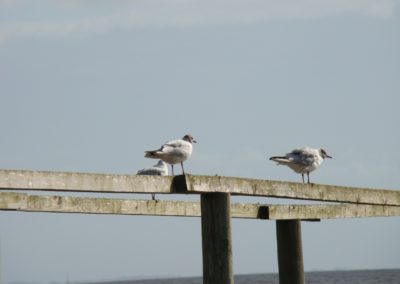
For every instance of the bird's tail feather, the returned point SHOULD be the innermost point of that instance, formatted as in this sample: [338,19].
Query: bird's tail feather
[150,154]
[280,159]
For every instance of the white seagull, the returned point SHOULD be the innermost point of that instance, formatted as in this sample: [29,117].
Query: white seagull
[159,169]
[174,152]
[303,160]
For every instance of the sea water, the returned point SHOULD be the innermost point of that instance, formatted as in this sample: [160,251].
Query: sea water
[384,276]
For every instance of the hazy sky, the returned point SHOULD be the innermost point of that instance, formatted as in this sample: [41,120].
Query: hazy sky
[89,85]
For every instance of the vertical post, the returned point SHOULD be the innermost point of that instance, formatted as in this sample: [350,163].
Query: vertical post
[290,252]
[216,238]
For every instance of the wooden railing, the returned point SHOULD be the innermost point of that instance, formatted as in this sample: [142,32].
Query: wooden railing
[214,207]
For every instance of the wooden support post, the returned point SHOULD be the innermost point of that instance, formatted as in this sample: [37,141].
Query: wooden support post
[216,237]
[290,252]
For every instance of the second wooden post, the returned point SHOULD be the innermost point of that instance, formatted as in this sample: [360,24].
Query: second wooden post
[290,252]
[216,238]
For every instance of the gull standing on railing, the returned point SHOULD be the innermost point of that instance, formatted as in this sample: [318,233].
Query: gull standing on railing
[159,169]
[303,160]
[174,152]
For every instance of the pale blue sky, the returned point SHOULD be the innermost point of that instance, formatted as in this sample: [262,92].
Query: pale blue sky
[89,85]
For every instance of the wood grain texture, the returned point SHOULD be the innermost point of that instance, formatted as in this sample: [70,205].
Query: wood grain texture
[88,205]
[84,182]
[290,252]
[107,183]
[330,211]
[281,189]
[216,238]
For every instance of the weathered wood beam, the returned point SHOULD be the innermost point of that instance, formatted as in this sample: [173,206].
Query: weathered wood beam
[329,211]
[107,183]
[89,205]
[280,189]
[84,182]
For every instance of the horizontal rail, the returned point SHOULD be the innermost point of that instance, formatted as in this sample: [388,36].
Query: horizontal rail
[68,204]
[280,189]
[329,211]
[107,183]
[89,205]
[84,182]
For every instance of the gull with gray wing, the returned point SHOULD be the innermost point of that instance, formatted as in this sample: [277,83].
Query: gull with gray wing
[303,160]
[174,152]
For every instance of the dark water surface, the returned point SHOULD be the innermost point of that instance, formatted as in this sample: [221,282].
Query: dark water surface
[386,276]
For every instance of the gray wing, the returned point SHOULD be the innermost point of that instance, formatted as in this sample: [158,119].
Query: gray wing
[172,144]
[301,156]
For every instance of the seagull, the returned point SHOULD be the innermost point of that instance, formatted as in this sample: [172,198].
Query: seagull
[159,169]
[174,152]
[303,160]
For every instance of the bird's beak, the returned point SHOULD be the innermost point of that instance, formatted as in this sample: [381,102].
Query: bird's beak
[194,141]
[328,156]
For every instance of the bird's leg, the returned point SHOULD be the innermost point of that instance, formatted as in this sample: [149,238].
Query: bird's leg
[153,196]
[308,177]
[302,176]
[172,167]
[183,171]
